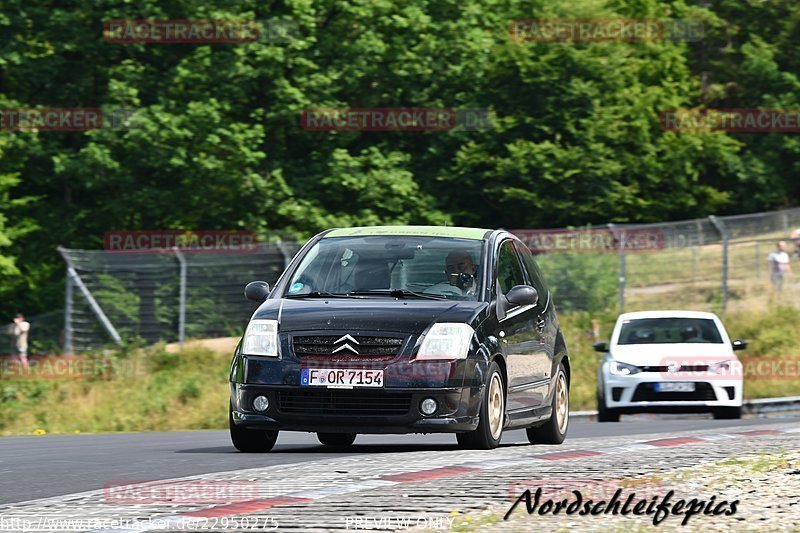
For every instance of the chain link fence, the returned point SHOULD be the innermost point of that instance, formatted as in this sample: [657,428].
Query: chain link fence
[168,296]
[714,263]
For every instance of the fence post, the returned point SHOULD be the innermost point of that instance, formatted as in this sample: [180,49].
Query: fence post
[723,231]
[68,347]
[181,297]
[621,278]
[694,264]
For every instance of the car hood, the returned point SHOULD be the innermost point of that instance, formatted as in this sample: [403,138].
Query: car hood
[663,354]
[366,314]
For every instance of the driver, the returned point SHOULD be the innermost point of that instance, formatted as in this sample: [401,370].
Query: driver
[461,270]
[691,334]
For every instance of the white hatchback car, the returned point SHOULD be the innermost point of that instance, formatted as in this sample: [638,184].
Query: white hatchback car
[669,361]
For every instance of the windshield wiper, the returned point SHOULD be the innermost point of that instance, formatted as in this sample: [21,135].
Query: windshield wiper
[320,294]
[399,293]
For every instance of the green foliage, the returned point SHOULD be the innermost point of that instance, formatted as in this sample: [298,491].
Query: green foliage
[189,390]
[215,140]
[581,282]
[774,332]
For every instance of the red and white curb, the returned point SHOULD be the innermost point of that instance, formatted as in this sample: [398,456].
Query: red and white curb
[186,520]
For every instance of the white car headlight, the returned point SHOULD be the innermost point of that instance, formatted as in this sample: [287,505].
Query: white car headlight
[446,341]
[261,338]
[623,369]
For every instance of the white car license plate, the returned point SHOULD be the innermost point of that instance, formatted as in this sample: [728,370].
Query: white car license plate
[675,387]
[332,377]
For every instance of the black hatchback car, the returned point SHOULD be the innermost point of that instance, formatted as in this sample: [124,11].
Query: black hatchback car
[402,329]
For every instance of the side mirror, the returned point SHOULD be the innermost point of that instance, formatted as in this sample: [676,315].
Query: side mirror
[523,295]
[739,344]
[600,346]
[258,291]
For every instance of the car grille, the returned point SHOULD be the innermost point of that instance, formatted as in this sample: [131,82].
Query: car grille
[365,345]
[343,402]
[684,368]
[645,392]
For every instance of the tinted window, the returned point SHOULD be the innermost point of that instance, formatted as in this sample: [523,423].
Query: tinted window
[669,330]
[509,271]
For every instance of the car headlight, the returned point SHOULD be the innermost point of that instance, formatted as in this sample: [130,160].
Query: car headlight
[261,338]
[446,341]
[624,369]
[721,367]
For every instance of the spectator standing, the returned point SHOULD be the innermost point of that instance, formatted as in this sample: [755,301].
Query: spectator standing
[20,331]
[779,265]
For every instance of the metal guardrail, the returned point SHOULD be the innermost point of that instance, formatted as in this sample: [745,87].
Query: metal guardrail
[758,406]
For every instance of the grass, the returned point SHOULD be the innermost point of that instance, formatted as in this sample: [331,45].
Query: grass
[147,390]
[154,389]
[761,463]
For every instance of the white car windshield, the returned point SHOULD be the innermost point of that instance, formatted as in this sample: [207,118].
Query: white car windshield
[442,267]
[669,331]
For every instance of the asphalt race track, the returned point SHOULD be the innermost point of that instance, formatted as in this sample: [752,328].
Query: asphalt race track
[53,465]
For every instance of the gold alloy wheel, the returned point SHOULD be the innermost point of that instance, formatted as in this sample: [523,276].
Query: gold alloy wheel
[496,406]
[562,403]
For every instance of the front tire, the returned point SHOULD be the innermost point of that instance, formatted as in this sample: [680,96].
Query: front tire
[251,440]
[604,414]
[727,413]
[554,431]
[336,439]
[492,415]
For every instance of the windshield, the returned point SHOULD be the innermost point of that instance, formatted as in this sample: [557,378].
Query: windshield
[436,267]
[669,331]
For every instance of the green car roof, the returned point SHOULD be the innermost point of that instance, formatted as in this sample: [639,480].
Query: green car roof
[416,231]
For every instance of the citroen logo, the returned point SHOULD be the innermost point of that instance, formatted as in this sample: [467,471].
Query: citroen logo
[347,339]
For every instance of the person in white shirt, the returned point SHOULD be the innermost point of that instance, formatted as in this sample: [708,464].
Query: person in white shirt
[779,265]
[20,331]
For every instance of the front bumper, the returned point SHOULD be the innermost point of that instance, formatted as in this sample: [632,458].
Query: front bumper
[356,410]
[637,394]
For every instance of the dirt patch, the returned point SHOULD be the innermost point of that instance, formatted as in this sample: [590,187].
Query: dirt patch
[222,345]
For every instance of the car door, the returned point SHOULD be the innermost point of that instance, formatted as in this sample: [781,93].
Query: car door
[518,336]
[546,321]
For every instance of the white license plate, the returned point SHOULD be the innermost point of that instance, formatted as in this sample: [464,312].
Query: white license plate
[332,377]
[675,387]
